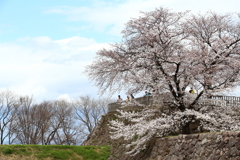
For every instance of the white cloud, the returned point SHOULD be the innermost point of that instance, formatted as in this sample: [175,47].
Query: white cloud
[110,17]
[51,69]
[65,97]
[45,68]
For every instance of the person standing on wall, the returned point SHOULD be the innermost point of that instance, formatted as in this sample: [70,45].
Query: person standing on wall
[191,90]
[119,98]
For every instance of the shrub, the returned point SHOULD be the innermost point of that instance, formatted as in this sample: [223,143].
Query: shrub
[7,150]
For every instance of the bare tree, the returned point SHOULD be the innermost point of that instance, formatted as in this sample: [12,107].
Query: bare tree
[89,110]
[43,114]
[55,125]
[103,104]
[27,129]
[8,101]
[68,131]
[49,122]
[33,121]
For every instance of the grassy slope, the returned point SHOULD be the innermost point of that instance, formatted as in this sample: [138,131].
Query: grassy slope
[53,152]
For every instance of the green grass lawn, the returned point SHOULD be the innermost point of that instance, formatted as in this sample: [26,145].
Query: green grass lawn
[55,152]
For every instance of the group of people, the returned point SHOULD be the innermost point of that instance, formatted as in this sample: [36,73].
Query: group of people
[147,94]
[128,98]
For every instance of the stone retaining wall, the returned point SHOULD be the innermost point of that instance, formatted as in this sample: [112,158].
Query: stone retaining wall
[209,146]
[203,146]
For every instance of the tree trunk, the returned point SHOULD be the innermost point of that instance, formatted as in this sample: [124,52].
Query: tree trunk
[193,127]
[186,129]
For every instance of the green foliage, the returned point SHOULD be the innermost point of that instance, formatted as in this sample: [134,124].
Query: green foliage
[58,152]
[92,153]
[135,137]
[7,150]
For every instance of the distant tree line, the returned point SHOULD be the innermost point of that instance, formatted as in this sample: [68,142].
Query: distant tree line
[22,121]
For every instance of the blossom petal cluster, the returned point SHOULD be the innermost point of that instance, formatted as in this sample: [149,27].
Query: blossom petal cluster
[138,127]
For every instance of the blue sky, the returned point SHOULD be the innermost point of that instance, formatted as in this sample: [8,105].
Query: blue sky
[45,45]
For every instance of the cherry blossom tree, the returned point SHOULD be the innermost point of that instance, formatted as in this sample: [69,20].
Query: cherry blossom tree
[171,52]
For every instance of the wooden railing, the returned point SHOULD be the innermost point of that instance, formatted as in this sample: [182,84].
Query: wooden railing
[216,99]
[226,98]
